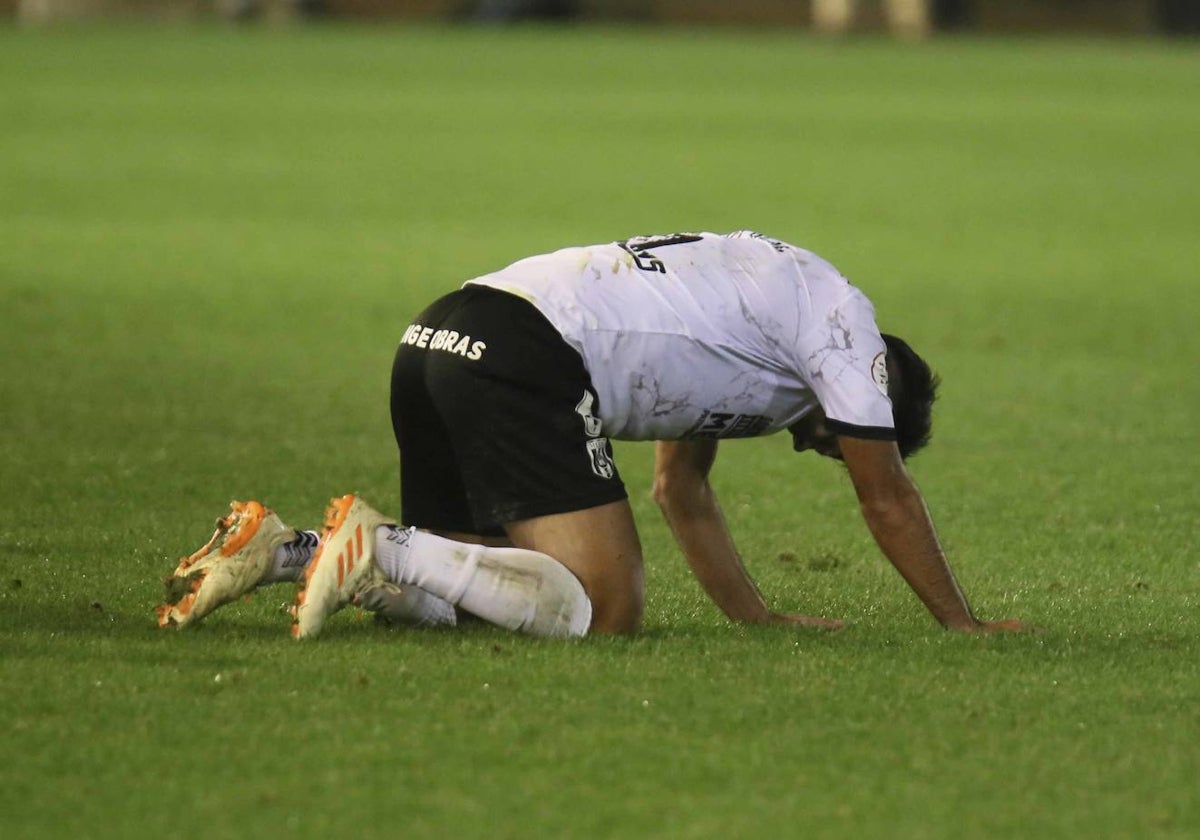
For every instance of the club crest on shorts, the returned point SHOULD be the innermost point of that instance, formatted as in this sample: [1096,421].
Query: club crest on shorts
[601,455]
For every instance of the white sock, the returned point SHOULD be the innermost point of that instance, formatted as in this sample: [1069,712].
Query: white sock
[410,605]
[511,587]
[392,548]
[292,558]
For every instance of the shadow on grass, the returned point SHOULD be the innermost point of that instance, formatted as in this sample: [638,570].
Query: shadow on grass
[28,629]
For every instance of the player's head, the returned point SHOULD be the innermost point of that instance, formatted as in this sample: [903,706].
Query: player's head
[912,387]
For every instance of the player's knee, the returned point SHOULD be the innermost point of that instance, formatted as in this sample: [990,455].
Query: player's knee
[618,604]
[622,621]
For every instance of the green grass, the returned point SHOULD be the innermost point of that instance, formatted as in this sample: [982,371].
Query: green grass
[210,241]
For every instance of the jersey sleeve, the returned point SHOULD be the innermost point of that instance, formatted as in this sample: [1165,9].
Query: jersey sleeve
[844,360]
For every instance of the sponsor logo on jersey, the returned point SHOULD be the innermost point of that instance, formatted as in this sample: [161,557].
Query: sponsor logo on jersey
[720,424]
[448,341]
[879,374]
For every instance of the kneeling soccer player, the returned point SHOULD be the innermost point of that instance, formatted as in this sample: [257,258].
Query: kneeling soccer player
[505,395]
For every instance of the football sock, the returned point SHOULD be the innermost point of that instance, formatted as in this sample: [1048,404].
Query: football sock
[511,587]
[410,605]
[291,558]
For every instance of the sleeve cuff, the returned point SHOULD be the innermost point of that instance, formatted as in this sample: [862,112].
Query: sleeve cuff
[867,432]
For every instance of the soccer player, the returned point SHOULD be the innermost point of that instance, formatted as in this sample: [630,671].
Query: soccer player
[506,393]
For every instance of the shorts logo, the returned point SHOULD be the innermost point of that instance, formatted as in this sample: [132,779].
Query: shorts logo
[879,373]
[602,462]
[598,448]
[591,423]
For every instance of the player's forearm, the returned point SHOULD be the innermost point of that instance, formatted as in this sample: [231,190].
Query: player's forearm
[902,528]
[699,527]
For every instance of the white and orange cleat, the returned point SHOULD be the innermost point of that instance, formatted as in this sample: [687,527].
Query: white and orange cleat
[228,566]
[344,566]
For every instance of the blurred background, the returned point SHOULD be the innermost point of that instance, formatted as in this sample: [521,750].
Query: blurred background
[907,18]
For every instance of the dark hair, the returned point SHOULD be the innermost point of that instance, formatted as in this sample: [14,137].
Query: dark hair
[912,393]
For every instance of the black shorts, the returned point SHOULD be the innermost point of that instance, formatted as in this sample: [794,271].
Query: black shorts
[495,417]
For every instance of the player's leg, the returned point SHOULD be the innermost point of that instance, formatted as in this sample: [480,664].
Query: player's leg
[363,551]
[600,546]
[468,428]
[515,588]
[523,422]
[486,409]
[621,609]
[563,569]
[521,590]
[474,539]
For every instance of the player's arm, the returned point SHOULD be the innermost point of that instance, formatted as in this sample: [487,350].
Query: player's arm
[899,521]
[687,500]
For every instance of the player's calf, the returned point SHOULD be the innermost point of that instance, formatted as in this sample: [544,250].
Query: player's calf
[514,588]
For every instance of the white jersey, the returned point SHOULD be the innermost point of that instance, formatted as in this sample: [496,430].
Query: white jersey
[708,335]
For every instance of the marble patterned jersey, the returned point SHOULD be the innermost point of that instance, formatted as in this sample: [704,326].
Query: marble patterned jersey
[707,335]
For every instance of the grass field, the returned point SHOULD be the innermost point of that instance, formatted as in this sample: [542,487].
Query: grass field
[210,241]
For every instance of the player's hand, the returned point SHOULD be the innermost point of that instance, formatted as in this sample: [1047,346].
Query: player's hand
[806,621]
